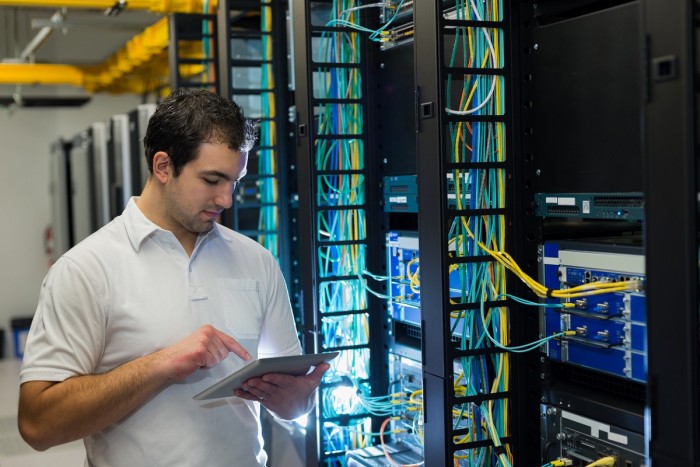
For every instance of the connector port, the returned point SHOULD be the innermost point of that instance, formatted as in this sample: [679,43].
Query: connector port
[603,336]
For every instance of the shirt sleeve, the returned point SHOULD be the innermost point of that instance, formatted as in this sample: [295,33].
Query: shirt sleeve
[279,335]
[67,335]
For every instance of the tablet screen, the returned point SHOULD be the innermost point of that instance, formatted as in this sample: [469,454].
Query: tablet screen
[296,365]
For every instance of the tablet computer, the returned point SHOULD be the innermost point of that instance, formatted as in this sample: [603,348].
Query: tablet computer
[296,365]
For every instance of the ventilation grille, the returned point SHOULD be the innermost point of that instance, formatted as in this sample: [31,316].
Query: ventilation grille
[413,331]
[619,201]
[593,379]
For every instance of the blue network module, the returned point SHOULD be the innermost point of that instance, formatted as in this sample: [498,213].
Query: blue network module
[608,206]
[403,262]
[402,266]
[610,327]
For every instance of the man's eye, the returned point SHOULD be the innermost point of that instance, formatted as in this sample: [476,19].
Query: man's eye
[210,182]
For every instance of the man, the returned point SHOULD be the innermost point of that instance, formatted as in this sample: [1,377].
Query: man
[158,305]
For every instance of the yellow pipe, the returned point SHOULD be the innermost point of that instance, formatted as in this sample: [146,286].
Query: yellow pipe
[157,6]
[35,73]
[140,66]
[134,58]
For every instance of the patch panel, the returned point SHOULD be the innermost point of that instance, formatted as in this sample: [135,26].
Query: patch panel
[610,327]
[400,193]
[609,206]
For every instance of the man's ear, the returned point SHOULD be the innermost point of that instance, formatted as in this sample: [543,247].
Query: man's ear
[162,168]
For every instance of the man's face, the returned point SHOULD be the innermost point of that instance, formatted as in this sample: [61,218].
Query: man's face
[195,198]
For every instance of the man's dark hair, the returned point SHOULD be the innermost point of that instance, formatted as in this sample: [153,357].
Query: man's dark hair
[188,118]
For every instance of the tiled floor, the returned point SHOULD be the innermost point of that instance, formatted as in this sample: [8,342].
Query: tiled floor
[14,452]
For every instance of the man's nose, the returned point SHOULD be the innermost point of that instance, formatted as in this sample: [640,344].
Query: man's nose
[224,197]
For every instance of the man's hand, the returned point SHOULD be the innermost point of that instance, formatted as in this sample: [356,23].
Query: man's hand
[206,348]
[287,396]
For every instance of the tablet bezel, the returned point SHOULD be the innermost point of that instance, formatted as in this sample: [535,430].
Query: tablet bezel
[296,365]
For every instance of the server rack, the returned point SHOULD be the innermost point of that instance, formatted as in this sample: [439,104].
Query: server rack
[59,189]
[440,115]
[99,137]
[193,51]
[82,181]
[671,142]
[556,85]
[138,123]
[253,71]
[644,70]
[338,201]
[596,95]
[120,164]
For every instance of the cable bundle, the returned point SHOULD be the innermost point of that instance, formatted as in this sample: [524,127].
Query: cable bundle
[341,251]
[268,217]
[479,187]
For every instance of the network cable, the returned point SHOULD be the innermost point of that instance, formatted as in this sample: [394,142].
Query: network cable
[479,142]
[376,35]
[268,217]
[494,80]
[607,461]
[561,462]
[386,453]
[592,288]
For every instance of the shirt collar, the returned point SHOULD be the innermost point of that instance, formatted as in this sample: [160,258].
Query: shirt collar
[139,227]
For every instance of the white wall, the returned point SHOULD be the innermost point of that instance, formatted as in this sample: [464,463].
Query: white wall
[25,137]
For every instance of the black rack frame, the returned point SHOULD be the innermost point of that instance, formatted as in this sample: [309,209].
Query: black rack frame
[671,154]
[434,223]
[187,28]
[233,21]
[306,136]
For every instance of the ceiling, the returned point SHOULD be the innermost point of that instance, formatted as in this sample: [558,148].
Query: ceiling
[77,37]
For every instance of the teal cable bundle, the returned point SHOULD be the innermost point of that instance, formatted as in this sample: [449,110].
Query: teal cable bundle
[268,217]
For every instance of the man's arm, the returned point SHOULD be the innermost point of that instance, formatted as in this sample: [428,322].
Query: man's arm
[53,413]
[288,397]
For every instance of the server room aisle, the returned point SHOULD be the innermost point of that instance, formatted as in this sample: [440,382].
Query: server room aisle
[14,452]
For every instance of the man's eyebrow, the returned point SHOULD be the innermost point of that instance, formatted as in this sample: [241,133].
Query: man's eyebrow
[215,173]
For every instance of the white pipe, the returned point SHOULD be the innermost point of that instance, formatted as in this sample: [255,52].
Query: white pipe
[40,37]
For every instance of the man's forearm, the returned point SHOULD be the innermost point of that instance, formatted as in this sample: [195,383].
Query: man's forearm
[56,413]
[82,405]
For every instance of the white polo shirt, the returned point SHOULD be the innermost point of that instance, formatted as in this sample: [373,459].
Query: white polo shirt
[130,289]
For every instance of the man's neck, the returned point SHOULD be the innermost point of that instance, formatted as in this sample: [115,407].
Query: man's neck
[151,205]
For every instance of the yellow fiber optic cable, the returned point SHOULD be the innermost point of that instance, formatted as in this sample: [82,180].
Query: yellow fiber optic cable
[608,461]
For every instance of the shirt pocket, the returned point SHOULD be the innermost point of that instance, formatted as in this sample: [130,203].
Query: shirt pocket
[242,310]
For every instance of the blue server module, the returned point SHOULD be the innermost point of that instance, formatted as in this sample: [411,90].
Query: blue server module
[403,269]
[610,327]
